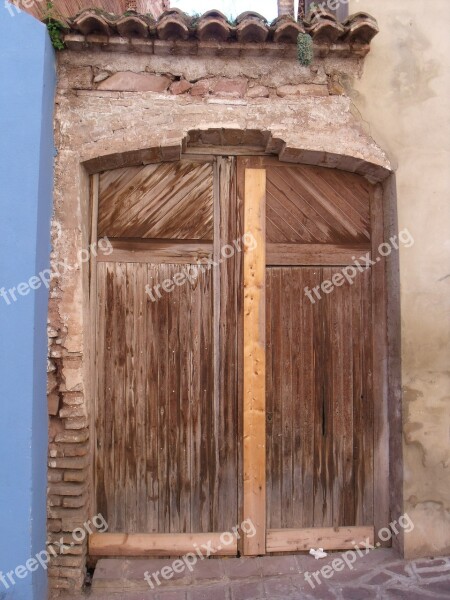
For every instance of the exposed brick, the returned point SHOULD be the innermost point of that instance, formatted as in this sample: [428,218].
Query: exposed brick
[73,398]
[72,411]
[66,489]
[76,423]
[54,500]
[63,538]
[135,82]
[54,476]
[73,450]
[76,462]
[54,525]
[76,476]
[75,501]
[69,561]
[66,572]
[73,436]
[180,87]
[73,550]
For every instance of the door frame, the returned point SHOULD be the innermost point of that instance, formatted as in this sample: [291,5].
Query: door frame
[250,204]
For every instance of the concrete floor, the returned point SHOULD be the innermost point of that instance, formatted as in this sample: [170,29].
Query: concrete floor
[378,575]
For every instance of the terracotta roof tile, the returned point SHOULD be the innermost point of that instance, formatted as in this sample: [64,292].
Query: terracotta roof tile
[213,27]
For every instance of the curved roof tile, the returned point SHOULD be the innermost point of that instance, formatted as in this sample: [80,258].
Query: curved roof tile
[249,27]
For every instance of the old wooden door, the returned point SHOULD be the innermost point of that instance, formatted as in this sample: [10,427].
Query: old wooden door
[315,442]
[252,387]
[167,402]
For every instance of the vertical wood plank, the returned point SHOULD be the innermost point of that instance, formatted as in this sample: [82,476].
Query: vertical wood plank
[308,278]
[379,349]
[227,287]
[254,362]
[153,431]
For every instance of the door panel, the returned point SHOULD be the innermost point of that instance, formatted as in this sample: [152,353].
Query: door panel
[167,439]
[319,401]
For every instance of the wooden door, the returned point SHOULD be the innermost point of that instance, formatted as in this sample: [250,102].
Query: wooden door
[167,442]
[252,389]
[310,365]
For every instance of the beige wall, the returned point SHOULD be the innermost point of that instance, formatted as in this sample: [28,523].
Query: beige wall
[403,100]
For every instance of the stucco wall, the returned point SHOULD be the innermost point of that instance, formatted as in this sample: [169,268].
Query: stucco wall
[403,101]
[27,81]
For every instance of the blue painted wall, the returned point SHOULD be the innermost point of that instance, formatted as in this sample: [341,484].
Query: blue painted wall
[27,83]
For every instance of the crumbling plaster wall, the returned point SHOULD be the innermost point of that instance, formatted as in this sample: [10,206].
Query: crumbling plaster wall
[296,112]
[403,101]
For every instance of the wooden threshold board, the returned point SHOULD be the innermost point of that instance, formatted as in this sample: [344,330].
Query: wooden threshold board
[328,538]
[159,544]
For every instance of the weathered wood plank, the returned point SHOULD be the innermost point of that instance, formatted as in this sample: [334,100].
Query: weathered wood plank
[226,318]
[315,254]
[254,362]
[157,544]
[166,200]
[328,538]
[156,251]
[308,204]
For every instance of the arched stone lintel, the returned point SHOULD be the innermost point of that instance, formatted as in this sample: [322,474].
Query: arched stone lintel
[253,140]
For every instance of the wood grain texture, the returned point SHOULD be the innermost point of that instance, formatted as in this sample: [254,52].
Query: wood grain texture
[166,200]
[134,250]
[227,312]
[158,544]
[154,458]
[319,401]
[312,205]
[328,538]
[315,254]
[254,434]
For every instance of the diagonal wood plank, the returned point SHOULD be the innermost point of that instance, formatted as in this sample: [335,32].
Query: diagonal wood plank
[168,200]
[315,205]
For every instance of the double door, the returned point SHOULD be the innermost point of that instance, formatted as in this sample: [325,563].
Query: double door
[235,399]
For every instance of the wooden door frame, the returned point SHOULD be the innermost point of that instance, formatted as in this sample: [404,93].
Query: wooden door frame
[290,540]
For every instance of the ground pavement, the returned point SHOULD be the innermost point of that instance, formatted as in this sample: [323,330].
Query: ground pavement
[377,575]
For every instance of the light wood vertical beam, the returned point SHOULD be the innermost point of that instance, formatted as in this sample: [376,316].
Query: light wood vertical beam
[254,392]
